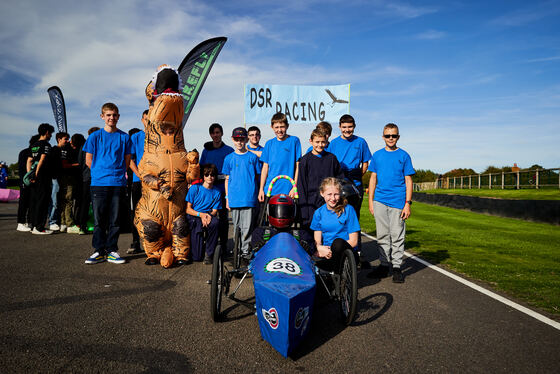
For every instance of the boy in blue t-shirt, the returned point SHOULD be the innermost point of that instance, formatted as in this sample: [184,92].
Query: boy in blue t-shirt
[108,156]
[241,169]
[203,203]
[390,197]
[280,157]
[215,152]
[137,140]
[352,153]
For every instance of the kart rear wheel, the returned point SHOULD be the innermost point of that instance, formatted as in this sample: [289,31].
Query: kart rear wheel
[348,287]
[218,280]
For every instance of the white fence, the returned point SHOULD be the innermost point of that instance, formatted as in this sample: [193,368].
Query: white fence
[537,178]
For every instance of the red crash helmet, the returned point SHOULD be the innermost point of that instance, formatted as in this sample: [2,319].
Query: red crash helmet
[281,211]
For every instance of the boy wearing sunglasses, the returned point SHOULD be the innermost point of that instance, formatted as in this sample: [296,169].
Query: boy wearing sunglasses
[390,197]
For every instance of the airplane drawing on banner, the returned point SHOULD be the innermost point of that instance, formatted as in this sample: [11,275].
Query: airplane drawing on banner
[334,99]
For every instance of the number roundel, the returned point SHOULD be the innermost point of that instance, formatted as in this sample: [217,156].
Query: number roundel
[283,265]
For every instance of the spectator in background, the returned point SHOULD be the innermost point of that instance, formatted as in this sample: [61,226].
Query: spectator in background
[3,175]
[67,186]
[24,214]
[62,139]
[215,152]
[41,186]
[85,199]
[137,139]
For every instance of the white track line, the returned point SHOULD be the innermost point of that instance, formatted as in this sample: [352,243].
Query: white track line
[476,287]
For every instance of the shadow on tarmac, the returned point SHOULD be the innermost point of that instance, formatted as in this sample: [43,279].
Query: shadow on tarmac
[154,360]
[153,287]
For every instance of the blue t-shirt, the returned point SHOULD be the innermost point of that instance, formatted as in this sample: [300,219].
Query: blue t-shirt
[333,226]
[137,141]
[109,150]
[203,199]
[391,167]
[242,185]
[258,148]
[216,156]
[281,157]
[350,154]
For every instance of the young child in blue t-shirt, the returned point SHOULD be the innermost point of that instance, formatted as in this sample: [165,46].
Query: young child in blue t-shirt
[108,156]
[390,197]
[241,169]
[335,225]
[203,203]
[280,157]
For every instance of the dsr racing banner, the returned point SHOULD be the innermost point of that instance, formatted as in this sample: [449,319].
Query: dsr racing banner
[58,107]
[195,69]
[300,104]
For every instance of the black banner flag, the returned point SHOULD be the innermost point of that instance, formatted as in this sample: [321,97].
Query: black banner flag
[58,107]
[195,69]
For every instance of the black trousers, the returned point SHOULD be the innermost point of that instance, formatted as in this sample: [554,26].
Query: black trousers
[24,213]
[83,210]
[338,247]
[136,192]
[40,199]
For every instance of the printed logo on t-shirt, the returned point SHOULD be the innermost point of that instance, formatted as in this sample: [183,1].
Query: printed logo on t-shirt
[271,316]
[283,265]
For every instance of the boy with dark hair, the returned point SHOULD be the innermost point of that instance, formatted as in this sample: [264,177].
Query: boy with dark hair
[137,140]
[254,135]
[280,157]
[62,139]
[85,200]
[215,152]
[108,156]
[24,211]
[67,185]
[41,186]
[314,167]
[390,197]
[326,128]
[241,170]
[203,203]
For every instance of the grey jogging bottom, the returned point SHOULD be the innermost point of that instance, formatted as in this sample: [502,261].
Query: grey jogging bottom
[391,230]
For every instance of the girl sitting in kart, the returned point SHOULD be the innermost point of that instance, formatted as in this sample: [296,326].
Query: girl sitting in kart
[335,225]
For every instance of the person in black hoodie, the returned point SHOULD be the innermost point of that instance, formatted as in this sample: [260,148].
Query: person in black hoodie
[42,182]
[24,213]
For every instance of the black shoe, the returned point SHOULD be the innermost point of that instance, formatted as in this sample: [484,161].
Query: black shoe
[183,262]
[151,261]
[379,272]
[398,275]
[208,260]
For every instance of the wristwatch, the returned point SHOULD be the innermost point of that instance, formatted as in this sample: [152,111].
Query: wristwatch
[409,202]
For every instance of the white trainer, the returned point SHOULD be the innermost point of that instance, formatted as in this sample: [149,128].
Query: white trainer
[54,227]
[63,228]
[23,227]
[44,232]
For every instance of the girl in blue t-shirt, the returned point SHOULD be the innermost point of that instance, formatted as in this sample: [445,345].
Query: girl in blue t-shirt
[335,224]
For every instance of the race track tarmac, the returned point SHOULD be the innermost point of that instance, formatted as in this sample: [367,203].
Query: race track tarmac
[60,315]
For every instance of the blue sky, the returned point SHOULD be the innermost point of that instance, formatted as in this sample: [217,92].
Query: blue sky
[470,83]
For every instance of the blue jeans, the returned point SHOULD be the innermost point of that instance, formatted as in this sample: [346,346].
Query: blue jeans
[105,201]
[54,213]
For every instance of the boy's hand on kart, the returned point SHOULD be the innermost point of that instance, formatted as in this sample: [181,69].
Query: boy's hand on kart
[324,251]
[293,193]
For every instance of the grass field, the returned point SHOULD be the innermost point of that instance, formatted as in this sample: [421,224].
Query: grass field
[526,194]
[518,257]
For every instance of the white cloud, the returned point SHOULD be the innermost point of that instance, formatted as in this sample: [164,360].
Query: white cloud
[431,35]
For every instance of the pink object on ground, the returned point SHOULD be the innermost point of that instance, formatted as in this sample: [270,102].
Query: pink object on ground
[8,195]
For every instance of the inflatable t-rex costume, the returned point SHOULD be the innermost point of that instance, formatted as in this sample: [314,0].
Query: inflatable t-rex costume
[166,170]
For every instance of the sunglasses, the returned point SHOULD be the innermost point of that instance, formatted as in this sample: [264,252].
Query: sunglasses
[394,136]
[209,175]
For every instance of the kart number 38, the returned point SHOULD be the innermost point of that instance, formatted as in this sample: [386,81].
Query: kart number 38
[283,265]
